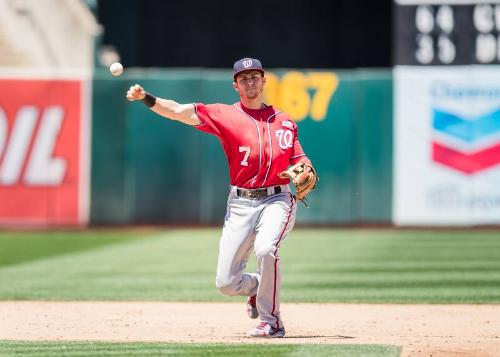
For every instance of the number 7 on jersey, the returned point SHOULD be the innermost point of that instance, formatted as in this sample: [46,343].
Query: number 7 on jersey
[246,150]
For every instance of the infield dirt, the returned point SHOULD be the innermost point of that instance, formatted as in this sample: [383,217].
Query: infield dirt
[421,330]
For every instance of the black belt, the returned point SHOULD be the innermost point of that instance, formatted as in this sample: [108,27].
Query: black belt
[257,193]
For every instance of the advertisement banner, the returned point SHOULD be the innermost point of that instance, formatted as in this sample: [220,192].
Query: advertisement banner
[447,145]
[43,152]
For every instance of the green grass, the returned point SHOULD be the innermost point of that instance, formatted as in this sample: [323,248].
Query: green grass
[18,247]
[49,349]
[320,265]
[390,266]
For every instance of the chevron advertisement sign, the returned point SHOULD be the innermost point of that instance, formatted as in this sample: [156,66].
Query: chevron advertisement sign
[447,145]
[477,141]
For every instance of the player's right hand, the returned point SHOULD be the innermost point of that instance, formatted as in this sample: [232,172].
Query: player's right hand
[136,92]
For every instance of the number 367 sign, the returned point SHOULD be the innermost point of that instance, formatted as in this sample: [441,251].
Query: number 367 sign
[42,159]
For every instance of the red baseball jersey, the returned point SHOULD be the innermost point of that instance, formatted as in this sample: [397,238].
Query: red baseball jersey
[258,143]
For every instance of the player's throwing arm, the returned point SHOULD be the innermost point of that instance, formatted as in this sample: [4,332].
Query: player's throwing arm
[184,113]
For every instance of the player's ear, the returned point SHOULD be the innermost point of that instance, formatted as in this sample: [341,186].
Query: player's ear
[235,86]
[263,79]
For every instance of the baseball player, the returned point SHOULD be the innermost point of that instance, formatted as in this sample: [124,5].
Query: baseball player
[260,144]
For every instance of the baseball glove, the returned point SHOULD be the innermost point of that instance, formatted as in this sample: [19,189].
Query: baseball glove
[303,177]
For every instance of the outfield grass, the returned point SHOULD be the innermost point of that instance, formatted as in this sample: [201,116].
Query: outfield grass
[321,265]
[50,349]
[19,246]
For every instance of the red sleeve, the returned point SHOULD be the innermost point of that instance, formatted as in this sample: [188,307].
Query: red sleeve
[208,117]
[297,151]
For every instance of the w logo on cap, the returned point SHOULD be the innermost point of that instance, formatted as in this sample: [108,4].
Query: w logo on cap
[246,64]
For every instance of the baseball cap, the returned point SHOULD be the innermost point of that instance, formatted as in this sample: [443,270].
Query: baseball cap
[246,64]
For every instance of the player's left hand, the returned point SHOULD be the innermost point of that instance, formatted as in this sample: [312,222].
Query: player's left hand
[303,177]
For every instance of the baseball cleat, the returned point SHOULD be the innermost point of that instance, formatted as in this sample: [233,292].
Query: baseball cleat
[267,331]
[252,307]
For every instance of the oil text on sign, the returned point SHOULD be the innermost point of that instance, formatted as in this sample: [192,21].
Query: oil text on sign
[40,127]
[42,169]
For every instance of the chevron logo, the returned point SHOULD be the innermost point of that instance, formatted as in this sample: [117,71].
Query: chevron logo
[468,145]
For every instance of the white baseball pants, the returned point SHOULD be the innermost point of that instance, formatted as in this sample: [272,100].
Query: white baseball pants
[261,225]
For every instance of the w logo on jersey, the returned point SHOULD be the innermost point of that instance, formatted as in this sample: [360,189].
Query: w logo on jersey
[285,138]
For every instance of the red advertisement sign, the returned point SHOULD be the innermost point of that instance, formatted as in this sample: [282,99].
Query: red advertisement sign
[40,143]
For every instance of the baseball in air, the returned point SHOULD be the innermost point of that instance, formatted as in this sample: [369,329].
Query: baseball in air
[116,69]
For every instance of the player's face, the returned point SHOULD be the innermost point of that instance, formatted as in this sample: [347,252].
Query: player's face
[250,84]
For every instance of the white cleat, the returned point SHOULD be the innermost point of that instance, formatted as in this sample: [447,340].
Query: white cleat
[267,331]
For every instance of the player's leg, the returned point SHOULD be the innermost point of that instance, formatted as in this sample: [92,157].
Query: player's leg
[235,247]
[276,220]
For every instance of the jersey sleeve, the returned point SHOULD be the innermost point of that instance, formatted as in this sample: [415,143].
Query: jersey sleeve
[208,115]
[297,151]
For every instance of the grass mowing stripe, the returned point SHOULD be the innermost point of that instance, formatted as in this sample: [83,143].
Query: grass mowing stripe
[49,349]
[19,247]
[146,269]
[318,265]
[396,267]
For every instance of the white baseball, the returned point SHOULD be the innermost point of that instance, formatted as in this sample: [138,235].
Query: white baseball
[116,69]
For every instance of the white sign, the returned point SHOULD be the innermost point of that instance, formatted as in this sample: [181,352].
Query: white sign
[446,145]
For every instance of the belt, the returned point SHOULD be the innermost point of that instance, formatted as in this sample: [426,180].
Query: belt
[257,193]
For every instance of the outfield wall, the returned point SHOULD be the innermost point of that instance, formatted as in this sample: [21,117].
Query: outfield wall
[74,151]
[146,169]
